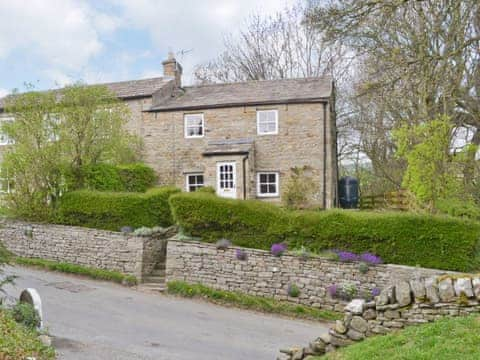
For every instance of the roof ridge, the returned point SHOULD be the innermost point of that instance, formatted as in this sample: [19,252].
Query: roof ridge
[309,78]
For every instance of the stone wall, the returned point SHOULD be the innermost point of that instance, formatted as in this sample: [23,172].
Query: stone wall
[265,275]
[418,301]
[101,249]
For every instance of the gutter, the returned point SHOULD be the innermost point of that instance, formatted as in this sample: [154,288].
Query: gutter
[229,105]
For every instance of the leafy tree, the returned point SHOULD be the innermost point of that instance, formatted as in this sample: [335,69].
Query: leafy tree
[55,134]
[433,172]
[414,60]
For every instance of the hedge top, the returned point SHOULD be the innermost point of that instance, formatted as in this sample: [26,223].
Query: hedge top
[401,238]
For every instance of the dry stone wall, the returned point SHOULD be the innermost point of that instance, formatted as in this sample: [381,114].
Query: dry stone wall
[418,301]
[101,249]
[262,274]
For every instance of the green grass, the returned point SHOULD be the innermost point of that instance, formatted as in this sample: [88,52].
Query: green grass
[18,342]
[446,339]
[249,302]
[93,273]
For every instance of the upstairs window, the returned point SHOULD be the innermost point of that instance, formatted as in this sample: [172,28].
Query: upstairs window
[4,138]
[194,182]
[267,184]
[194,125]
[267,122]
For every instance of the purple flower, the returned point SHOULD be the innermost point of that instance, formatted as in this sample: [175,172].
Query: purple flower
[375,292]
[371,258]
[240,254]
[332,290]
[278,249]
[347,256]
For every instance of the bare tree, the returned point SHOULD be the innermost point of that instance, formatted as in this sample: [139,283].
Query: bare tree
[284,46]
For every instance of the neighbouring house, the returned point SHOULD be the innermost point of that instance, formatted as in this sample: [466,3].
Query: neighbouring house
[242,138]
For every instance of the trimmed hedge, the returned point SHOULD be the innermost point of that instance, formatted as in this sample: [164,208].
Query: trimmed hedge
[136,177]
[400,238]
[107,177]
[112,211]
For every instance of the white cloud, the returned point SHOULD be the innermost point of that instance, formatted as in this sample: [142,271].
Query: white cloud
[188,25]
[3,92]
[65,34]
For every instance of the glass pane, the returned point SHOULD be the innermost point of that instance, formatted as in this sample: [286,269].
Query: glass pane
[263,178]
[200,131]
[272,189]
[271,178]
[263,189]
[271,127]
[192,188]
[200,179]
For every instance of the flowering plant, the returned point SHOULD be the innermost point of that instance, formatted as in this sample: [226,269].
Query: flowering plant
[241,254]
[278,249]
[370,258]
[347,256]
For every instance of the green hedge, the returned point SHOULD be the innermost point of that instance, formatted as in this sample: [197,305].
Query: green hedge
[400,238]
[112,211]
[129,178]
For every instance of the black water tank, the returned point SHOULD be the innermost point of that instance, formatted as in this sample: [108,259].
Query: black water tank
[348,192]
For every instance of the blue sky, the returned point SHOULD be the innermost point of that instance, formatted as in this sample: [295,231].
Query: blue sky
[50,43]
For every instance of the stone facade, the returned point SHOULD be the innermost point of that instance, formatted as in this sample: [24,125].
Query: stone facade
[418,301]
[101,249]
[299,143]
[265,275]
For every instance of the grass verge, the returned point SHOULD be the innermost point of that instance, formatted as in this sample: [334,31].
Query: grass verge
[249,302]
[18,342]
[446,339]
[68,268]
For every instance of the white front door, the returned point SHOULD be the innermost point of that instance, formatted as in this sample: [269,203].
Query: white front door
[226,180]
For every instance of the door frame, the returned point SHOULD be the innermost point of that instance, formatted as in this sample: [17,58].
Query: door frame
[234,178]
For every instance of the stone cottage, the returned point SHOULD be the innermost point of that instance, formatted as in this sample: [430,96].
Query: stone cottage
[242,138]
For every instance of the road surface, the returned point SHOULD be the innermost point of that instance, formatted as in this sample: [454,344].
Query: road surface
[99,320]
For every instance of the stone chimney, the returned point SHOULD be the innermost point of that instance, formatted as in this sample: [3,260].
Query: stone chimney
[173,69]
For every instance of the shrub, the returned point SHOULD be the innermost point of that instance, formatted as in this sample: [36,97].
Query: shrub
[363,268]
[102,177]
[207,190]
[112,211]
[136,177]
[26,315]
[401,238]
[293,290]
[18,342]
[223,244]
[108,177]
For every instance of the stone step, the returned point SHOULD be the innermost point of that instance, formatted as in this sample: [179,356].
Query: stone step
[154,287]
[154,279]
[157,272]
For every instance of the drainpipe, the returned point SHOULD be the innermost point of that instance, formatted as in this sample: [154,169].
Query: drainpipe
[324,190]
[244,174]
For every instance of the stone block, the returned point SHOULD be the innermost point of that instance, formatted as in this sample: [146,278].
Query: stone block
[431,290]
[445,290]
[355,306]
[358,324]
[403,293]
[463,285]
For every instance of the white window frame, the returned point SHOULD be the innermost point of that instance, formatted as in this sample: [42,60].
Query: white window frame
[277,184]
[186,126]
[7,141]
[196,185]
[5,178]
[259,132]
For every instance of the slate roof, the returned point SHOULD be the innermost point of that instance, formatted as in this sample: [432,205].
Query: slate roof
[129,89]
[248,93]
[229,146]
